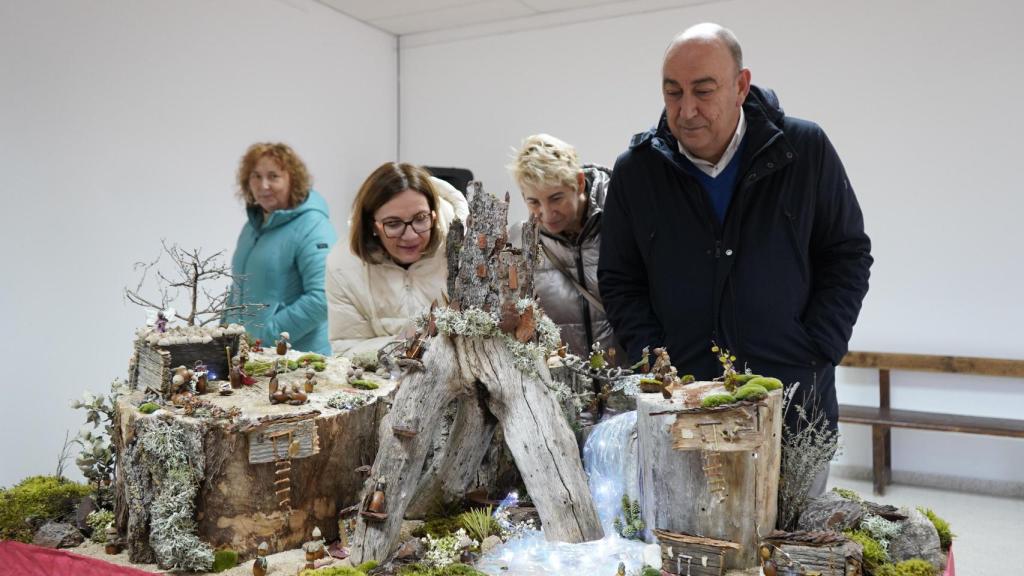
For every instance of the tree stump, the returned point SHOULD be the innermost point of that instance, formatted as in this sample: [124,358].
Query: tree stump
[271,473]
[469,356]
[712,473]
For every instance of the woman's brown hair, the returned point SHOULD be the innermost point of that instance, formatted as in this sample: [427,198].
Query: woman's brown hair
[386,182]
[289,161]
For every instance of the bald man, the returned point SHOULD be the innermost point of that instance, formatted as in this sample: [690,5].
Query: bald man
[730,222]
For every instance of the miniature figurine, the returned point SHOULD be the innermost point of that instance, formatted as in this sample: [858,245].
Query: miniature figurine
[257,346]
[354,373]
[259,565]
[243,350]
[160,318]
[296,396]
[310,380]
[113,545]
[282,344]
[662,363]
[235,375]
[622,569]
[377,501]
[644,364]
[199,377]
[314,549]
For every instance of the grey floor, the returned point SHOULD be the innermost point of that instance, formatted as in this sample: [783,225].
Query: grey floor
[989,529]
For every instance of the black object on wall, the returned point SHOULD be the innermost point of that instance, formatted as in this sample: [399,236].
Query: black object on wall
[457,177]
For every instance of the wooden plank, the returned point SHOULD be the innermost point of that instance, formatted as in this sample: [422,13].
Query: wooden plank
[736,430]
[928,363]
[931,421]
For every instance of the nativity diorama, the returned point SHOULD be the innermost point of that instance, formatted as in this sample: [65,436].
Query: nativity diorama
[476,445]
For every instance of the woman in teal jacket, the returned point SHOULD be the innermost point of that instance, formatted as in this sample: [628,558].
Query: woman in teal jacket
[280,257]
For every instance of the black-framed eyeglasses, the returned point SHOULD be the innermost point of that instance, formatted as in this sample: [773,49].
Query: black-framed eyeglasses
[395,227]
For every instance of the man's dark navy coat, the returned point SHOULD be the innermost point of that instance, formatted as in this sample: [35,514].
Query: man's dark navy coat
[779,283]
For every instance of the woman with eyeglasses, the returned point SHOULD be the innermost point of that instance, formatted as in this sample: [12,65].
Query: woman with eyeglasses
[395,264]
[281,254]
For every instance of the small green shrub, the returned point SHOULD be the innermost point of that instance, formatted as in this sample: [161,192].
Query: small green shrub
[363,384]
[479,523]
[874,555]
[941,526]
[848,494]
[631,525]
[712,400]
[769,384]
[97,520]
[224,560]
[35,500]
[258,367]
[649,571]
[912,567]
[149,408]
[751,391]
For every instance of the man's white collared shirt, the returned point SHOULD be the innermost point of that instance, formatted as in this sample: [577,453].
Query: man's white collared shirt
[713,170]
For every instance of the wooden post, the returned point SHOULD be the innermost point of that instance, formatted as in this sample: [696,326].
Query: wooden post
[881,438]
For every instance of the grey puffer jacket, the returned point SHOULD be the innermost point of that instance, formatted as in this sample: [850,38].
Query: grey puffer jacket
[581,323]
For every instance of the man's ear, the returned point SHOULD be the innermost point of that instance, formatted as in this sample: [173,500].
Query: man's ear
[743,83]
[581,182]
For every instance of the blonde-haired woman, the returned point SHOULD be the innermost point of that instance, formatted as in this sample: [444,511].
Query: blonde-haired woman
[566,198]
[281,253]
[395,264]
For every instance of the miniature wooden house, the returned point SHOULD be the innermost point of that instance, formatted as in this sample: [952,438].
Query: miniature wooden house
[688,555]
[157,353]
[825,553]
[286,439]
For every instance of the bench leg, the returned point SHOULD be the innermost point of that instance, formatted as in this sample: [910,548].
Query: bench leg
[881,460]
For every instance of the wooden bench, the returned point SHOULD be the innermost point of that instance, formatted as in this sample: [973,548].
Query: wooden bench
[883,418]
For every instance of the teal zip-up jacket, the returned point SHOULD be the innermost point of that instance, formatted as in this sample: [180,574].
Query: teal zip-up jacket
[280,263]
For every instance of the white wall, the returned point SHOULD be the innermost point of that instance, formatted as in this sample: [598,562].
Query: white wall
[919,98]
[121,123]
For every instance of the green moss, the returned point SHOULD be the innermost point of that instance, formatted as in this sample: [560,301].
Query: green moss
[309,359]
[941,526]
[224,560]
[649,385]
[318,366]
[874,555]
[449,570]
[912,567]
[742,379]
[37,499]
[149,408]
[769,384]
[439,527]
[751,391]
[363,384]
[367,566]
[848,494]
[712,400]
[649,571]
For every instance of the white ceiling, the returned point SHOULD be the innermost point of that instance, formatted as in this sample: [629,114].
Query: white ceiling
[420,17]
